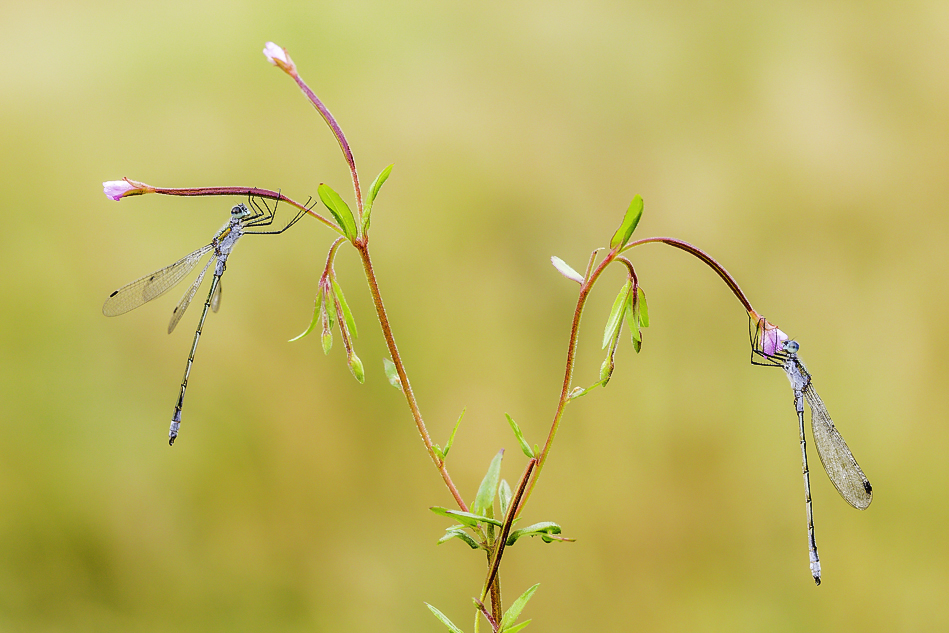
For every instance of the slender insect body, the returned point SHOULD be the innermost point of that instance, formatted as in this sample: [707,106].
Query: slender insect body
[152,286]
[838,462]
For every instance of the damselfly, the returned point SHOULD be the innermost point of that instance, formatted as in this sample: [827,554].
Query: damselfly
[771,347]
[156,284]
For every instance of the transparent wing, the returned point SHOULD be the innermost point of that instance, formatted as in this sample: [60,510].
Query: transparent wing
[836,457]
[179,310]
[216,297]
[143,290]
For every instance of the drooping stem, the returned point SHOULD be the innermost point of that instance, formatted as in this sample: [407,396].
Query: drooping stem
[363,251]
[708,260]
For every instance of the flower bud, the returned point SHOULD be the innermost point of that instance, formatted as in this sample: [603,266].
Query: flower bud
[279,58]
[118,189]
[772,340]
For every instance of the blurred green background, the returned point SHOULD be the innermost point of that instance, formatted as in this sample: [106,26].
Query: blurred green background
[805,146]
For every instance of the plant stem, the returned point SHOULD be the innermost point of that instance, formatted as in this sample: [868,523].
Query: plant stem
[363,251]
[709,261]
[585,288]
[244,191]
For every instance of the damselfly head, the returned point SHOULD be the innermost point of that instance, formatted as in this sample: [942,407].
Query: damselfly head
[791,347]
[240,211]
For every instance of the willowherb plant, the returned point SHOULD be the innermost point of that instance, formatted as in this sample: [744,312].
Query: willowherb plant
[487,524]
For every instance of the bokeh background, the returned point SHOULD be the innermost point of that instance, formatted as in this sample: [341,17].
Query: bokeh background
[804,145]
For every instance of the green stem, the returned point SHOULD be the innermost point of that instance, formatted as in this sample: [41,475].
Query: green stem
[403,377]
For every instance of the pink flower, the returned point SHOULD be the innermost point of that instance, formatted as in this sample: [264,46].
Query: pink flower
[564,269]
[772,340]
[118,189]
[279,58]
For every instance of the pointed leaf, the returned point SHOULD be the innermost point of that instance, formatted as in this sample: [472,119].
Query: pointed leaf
[392,374]
[347,315]
[514,611]
[339,209]
[525,447]
[516,628]
[484,500]
[317,314]
[468,518]
[451,439]
[616,314]
[630,220]
[443,619]
[373,192]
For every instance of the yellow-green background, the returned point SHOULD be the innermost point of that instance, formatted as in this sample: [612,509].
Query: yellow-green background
[805,145]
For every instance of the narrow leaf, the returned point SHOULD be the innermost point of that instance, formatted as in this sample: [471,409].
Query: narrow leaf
[451,439]
[373,192]
[514,611]
[617,313]
[525,447]
[468,518]
[630,220]
[643,312]
[317,312]
[484,500]
[339,209]
[443,619]
[350,322]
[392,373]
[516,628]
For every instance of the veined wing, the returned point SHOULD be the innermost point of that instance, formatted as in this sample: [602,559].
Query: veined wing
[838,461]
[149,287]
[179,310]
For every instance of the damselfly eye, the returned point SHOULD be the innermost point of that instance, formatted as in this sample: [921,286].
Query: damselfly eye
[239,209]
[791,346]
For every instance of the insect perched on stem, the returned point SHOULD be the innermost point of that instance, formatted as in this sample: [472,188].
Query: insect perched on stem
[149,287]
[771,347]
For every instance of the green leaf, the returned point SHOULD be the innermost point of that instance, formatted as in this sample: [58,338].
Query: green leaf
[392,373]
[451,439]
[515,629]
[373,192]
[339,209]
[504,497]
[630,220]
[317,313]
[484,500]
[643,312]
[438,451]
[468,518]
[542,529]
[616,314]
[525,447]
[443,619]
[457,531]
[355,366]
[347,315]
[514,611]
